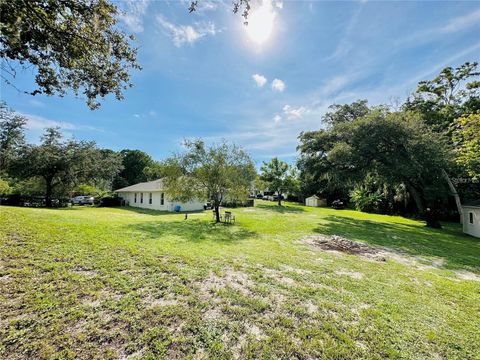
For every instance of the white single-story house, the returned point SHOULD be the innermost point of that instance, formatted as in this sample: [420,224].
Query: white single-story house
[471,218]
[150,195]
[315,201]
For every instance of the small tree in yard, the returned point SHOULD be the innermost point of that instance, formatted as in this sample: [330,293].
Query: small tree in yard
[216,173]
[279,177]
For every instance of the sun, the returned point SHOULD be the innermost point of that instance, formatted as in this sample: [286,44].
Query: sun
[260,23]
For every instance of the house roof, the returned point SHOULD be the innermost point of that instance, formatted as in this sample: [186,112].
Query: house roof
[155,185]
[314,197]
[475,204]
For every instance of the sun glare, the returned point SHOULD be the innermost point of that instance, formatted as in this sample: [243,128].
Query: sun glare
[260,23]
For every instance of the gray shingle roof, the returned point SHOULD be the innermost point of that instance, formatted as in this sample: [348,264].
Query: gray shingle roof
[155,185]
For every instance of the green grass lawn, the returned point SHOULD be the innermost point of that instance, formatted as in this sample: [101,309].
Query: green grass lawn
[123,283]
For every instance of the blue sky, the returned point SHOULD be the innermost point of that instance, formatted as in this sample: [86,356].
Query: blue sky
[206,75]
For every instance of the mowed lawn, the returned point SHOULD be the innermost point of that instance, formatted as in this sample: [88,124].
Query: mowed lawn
[122,283]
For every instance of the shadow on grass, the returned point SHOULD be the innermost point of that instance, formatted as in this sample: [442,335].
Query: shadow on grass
[455,248]
[280,209]
[193,230]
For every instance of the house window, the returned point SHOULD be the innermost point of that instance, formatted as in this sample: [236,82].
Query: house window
[135,198]
[141,198]
[470,217]
[162,199]
[150,198]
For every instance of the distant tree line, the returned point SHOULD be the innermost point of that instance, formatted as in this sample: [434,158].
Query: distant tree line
[421,160]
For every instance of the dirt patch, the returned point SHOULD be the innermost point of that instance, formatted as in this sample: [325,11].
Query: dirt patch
[338,243]
[237,280]
[311,307]
[296,270]
[212,313]
[467,275]
[150,301]
[353,274]
[80,270]
[254,331]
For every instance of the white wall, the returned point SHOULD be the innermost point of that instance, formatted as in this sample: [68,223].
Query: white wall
[168,205]
[471,229]
[311,201]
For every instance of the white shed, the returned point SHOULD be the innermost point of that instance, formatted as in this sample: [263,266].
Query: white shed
[150,195]
[315,201]
[471,218]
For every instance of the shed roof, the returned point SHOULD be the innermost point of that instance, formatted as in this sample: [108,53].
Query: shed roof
[155,185]
[314,197]
[475,203]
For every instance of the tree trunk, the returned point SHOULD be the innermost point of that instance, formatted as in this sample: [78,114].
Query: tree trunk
[48,193]
[416,198]
[429,215]
[217,213]
[431,219]
[279,198]
[454,193]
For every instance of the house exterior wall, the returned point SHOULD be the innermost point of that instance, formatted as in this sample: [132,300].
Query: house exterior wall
[156,204]
[468,228]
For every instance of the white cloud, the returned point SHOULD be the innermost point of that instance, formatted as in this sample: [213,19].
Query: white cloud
[206,5]
[132,14]
[36,122]
[452,26]
[294,113]
[279,4]
[277,118]
[36,103]
[144,115]
[182,34]
[462,22]
[278,85]
[336,83]
[259,79]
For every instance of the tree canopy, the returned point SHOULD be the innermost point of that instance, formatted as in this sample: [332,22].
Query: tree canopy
[346,112]
[72,44]
[62,163]
[278,176]
[217,173]
[466,136]
[396,148]
[11,135]
[449,95]
[137,165]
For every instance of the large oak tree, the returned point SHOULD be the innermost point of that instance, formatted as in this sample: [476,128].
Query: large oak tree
[64,163]
[397,148]
[71,44]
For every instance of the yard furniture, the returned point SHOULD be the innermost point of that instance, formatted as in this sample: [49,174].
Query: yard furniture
[229,217]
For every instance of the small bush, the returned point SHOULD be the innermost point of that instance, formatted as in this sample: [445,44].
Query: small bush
[110,201]
[366,201]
